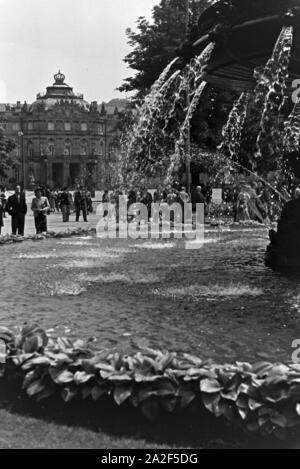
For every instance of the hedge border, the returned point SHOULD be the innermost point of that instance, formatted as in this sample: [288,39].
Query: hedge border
[263,398]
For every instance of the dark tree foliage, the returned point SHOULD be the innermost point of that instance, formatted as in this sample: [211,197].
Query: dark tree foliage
[7,160]
[156,43]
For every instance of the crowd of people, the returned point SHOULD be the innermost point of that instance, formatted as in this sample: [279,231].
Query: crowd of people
[244,202]
[45,202]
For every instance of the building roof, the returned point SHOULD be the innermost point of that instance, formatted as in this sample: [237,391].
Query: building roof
[59,93]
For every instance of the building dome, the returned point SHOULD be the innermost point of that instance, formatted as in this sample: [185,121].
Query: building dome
[59,93]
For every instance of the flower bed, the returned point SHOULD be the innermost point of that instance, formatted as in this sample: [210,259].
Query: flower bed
[263,398]
[11,239]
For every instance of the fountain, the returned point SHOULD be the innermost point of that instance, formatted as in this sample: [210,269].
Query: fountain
[248,45]
[256,48]
[245,32]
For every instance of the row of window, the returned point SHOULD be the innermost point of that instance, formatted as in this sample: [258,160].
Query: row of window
[50,149]
[52,126]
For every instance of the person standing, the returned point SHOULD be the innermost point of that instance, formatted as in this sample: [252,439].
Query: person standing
[52,200]
[80,202]
[16,207]
[158,196]
[147,200]
[183,198]
[40,207]
[243,206]
[1,215]
[89,202]
[3,200]
[65,205]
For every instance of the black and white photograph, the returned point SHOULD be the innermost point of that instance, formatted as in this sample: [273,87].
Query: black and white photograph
[149,227]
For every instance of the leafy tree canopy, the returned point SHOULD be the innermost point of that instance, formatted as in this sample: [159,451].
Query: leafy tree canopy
[156,43]
[7,160]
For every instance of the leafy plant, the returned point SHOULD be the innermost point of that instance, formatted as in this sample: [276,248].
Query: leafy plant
[262,398]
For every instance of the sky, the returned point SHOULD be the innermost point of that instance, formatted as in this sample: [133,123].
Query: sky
[85,39]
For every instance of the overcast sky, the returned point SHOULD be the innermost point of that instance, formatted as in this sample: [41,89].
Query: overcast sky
[84,38]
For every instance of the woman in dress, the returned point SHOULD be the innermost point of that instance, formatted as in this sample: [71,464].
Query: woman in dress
[40,207]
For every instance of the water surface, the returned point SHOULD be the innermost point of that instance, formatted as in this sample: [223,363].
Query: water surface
[218,302]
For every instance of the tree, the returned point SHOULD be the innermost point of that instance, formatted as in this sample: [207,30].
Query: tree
[156,43]
[7,160]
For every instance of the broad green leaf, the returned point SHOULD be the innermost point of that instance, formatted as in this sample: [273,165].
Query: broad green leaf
[35,387]
[60,376]
[278,370]
[69,393]
[243,413]
[122,393]
[28,379]
[82,377]
[150,409]
[86,391]
[45,393]
[33,344]
[194,360]
[79,344]
[40,361]
[169,403]
[229,395]
[187,398]
[166,361]
[98,391]
[262,369]
[279,420]
[210,386]
[211,402]
[254,405]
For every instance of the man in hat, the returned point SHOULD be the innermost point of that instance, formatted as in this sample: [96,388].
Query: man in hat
[16,207]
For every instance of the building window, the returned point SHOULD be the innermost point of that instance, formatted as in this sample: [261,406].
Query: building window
[101,129]
[16,126]
[68,126]
[51,126]
[84,127]
[101,148]
[30,125]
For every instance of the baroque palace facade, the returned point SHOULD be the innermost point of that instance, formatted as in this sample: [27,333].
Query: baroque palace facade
[63,140]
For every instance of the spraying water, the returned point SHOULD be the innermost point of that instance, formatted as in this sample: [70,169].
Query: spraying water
[232,131]
[165,102]
[276,75]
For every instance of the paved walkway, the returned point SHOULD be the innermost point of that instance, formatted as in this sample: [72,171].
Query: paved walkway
[54,223]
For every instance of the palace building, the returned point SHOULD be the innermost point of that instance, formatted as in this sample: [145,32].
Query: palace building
[63,140]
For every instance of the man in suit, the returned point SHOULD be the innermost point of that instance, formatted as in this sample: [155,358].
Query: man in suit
[16,207]
[80,202]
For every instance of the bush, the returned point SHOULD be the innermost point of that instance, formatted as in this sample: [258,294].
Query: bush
[262,398]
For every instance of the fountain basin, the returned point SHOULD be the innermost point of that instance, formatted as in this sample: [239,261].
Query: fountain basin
[245,36]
